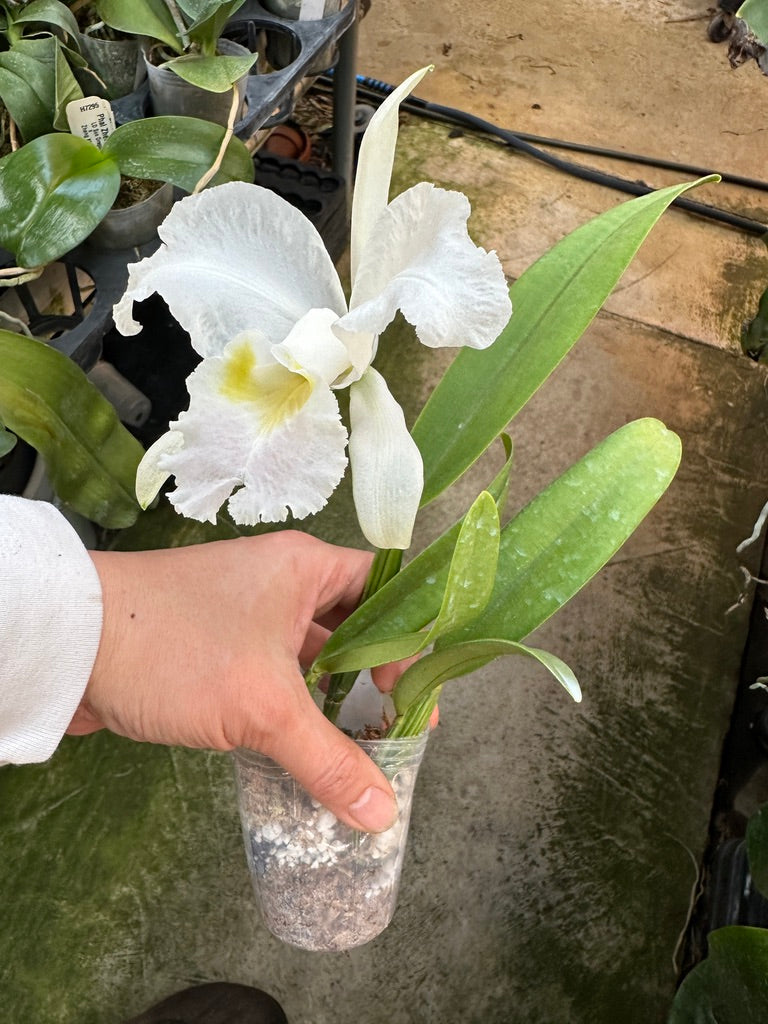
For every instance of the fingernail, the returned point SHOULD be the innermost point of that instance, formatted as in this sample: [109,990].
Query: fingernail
[375,810]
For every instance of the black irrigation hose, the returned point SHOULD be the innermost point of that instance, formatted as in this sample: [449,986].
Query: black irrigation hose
[524,144]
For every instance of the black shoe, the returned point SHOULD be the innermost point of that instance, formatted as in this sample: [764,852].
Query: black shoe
[216,1003]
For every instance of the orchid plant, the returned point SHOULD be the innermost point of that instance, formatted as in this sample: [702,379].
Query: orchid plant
[248,277]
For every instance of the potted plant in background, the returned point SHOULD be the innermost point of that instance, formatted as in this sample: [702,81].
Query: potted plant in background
[191,68]
[283,343]
[41,67]
[66,186]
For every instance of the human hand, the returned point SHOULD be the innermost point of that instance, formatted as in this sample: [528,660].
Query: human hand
[202,646]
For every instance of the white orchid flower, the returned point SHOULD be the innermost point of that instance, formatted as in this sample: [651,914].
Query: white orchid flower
[249,278]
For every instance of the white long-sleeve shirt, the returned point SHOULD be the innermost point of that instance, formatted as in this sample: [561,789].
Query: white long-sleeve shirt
[50,625]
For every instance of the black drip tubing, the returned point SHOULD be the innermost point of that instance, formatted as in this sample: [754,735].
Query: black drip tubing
[530,145]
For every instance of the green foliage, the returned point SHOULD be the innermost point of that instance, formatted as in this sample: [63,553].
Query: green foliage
[553,303]
[755,13]
[53,193]
[731,985]
[554,546]
[548,551]
[55,190]
[90,457]
[41,68]
[193,39]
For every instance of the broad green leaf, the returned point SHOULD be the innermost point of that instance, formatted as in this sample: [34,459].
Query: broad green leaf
[567,533]
[214,74]
[467,590]
[177,149]
[404,606]
[53,193]
[207,21]
[49,12]
[731,985]
[457,660]
[7,441]
[66,88]
[149,18]
[548,551]
[472,569]
[90,457]
[27,89]
[755,13]
[757,848]
[553,303]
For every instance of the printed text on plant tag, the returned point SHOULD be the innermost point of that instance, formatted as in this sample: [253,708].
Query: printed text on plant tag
[91,118]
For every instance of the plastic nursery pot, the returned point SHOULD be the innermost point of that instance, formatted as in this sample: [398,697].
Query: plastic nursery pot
[305,10]
[133,225]
[170,94]
[117,61]
[320,884]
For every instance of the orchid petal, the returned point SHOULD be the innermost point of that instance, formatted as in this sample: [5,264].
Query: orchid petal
[150,477]
[234,257]
[275,435]
[313,347]
[422,261]
[387,472]
[374,166]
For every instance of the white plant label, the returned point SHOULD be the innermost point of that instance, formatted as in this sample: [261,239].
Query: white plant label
[311,10]
[91,118]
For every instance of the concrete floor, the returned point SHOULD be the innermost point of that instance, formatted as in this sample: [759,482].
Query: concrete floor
[552,852]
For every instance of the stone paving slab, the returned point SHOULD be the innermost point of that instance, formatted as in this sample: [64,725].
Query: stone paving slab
[634,77]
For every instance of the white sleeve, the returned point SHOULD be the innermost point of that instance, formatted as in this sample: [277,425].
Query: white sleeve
[50,625]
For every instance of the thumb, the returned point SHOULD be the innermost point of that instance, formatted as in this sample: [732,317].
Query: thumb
[335,771]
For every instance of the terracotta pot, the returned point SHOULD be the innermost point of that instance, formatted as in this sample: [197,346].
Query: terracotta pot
[288,141]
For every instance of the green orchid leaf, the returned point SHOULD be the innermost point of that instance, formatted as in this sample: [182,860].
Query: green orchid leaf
[27,89]
[755,13]
[207,21]
[90,457]
[53,193]
[460,659]
[215,74]
[567,533]
[49,12]
[729,986]
[405,605]
[467,590]
[548,551]
[757,848]
[553,303]
[472,569]
[66,89]
[7,441]
[177,149]
[150,18]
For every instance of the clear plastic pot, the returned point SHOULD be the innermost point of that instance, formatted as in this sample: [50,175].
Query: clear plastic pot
[320,884]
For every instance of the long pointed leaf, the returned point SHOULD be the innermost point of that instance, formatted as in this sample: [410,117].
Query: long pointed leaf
[460,659]
[407,603]
[49,402]
[548,551]
[553,301]
[564,536]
